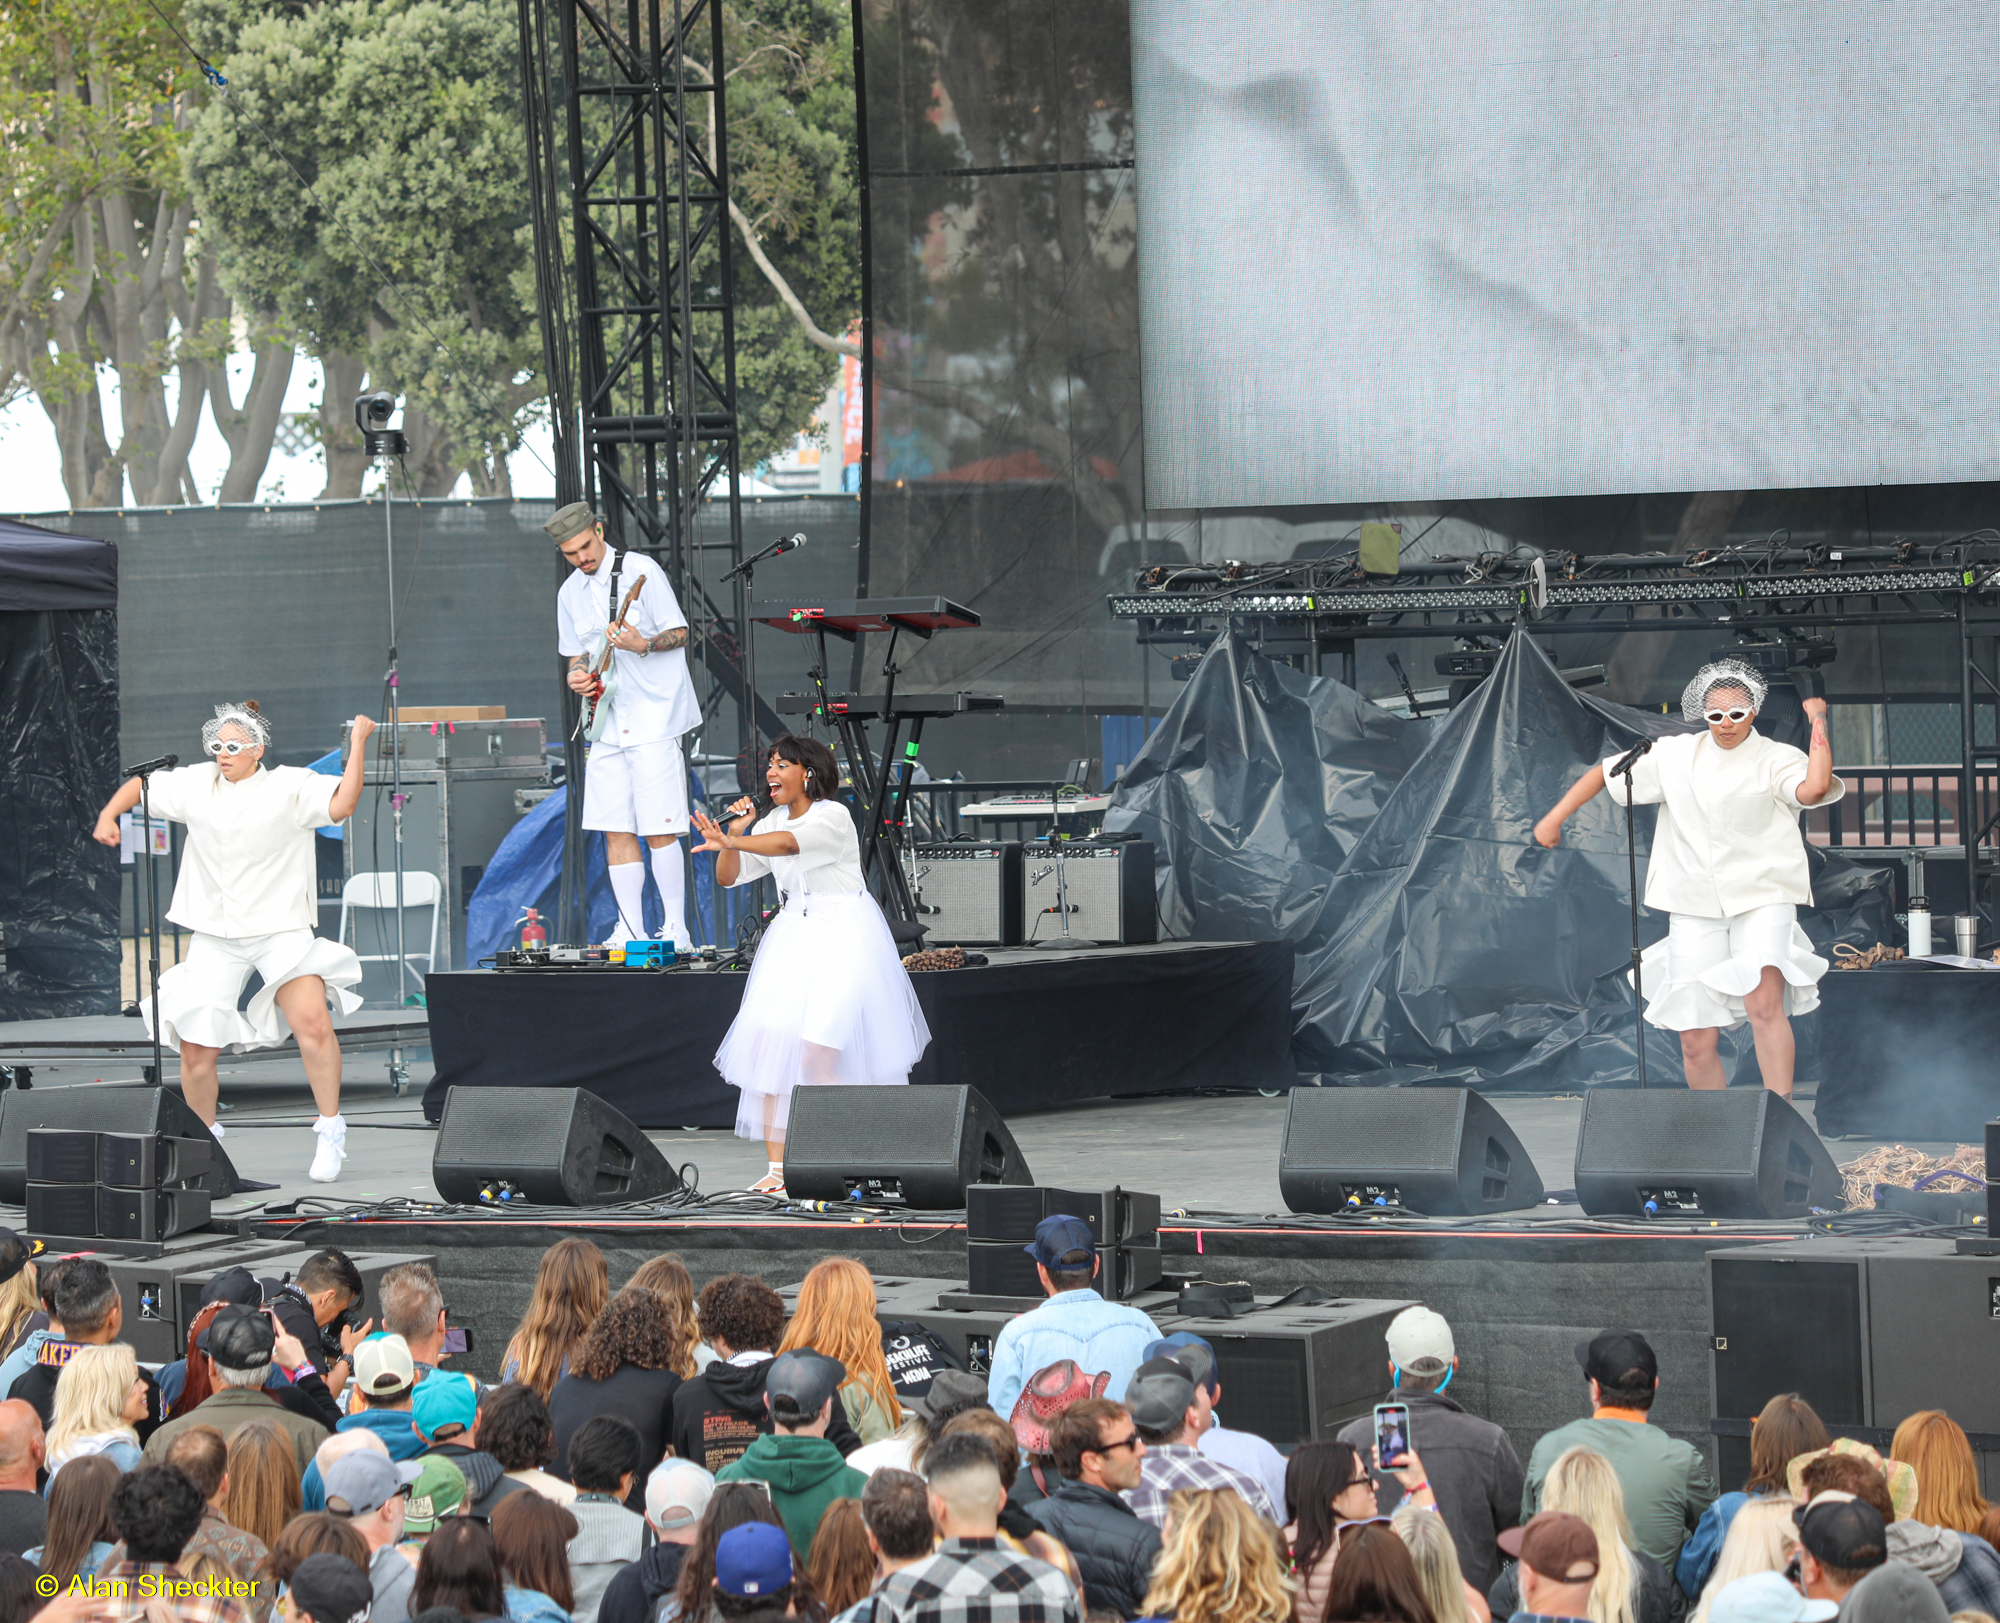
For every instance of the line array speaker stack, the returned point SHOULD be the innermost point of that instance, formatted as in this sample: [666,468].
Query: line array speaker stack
[140,1112]
[1444,1152]
[545,1147]
[921,1147]
[1000,1222]
[969,892]
[114,1186]
[1109,889]
[1742,1152]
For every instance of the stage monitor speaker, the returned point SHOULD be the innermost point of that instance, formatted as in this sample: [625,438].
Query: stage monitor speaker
[1444,1152]
[149,1160]
[1680,1152]
[1004,1268]
[969,892]
[62,1211]
[149,1214]
[120,1109]
[1115,1216]
[921,1147]
[549,1146]
[61,1155]
[1109,889]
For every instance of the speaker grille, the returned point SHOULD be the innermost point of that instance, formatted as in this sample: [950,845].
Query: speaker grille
[1670,1134]
[1412,1128]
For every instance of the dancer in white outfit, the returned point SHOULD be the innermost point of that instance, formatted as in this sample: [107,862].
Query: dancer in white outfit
[1729,867]
[828,999]
[636,784]
[247,891]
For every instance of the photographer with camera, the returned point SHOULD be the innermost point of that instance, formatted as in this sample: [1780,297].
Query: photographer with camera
[320,1305]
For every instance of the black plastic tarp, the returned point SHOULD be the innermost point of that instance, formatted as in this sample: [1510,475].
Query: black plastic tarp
[1448,946]
[58,765]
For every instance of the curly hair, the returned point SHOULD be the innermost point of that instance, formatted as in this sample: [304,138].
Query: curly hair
[666,1276]
[836,1316]
[635,1328]
[570,1290]
[514,1427]
[743,1311]
[1221,1563]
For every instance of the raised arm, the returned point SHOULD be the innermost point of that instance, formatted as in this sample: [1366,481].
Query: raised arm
[1818,780]
[726,843]
[348,795]
[106,832]
[1549,831]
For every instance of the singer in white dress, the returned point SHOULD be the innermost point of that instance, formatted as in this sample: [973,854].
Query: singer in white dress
[1728,867]
[828,1000]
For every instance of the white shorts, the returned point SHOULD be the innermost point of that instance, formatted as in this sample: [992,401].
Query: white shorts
[1696,979]
[200,993]
[638,790]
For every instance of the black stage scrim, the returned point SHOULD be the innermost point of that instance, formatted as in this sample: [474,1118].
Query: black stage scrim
[1907,1052]
[1028,1030]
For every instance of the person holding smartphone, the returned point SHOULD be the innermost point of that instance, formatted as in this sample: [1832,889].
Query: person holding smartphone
[828,1000]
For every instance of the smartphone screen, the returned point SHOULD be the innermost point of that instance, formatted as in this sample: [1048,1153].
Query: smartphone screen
[457,1339]
[1392,1432]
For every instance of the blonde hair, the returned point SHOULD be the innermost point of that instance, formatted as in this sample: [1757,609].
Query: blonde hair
[666,1276]
[19,1297]
[1936,1448]
[90,1397]
[264,1491]
[835,1315]
[1583,1483]
[1439,1575]
[571,1287]
[1221,1563]
[1761,1538]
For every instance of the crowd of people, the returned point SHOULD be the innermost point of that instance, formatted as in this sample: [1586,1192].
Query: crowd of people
[662,1455]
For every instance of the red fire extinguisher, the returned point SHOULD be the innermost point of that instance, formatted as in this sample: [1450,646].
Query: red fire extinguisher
[532,932]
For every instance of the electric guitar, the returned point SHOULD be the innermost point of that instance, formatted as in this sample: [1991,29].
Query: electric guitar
[603,677]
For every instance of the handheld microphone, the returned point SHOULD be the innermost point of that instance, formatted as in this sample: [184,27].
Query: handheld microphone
[1622,767]
[159,763]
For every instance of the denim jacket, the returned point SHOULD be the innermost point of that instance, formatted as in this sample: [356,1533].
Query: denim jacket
[1077,1324]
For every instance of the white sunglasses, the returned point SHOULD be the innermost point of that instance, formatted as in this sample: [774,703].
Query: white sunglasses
[228,746]
[1731,716]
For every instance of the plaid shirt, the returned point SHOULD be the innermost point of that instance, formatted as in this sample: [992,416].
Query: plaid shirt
[241,1552]
[149,1589]
[1166,1467]
[976,1580]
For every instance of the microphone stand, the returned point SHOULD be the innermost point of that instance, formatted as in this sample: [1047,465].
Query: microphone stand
[145,777]
[1623,769]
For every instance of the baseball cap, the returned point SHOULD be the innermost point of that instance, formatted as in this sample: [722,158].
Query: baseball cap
[1420,1341]
[1192,1353]
[236,1285]
[331,1589]
[753,1559]
[952,1392]
[677,1494]
[15,1254]
[383,1367]
[365,1481]
[1048,1392]
[1765,1597]
[1842,1531]
[1610,1355]
[1062,1241]
[567,521]
[436,1492]
[1555,1544]
[238,1338]
[800,1381]
[1158,1395]
[443,1400]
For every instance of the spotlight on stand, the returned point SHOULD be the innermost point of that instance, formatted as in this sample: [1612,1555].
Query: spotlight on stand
[371,415]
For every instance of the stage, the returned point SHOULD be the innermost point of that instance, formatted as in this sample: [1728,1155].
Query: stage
[1030,1029]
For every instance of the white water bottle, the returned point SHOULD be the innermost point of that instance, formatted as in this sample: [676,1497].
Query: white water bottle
[1920,927]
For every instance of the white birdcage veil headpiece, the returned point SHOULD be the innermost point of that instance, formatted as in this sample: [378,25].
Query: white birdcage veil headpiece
[1730,673]
[252,722]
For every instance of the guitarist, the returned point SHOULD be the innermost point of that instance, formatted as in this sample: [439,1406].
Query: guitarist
[636,786]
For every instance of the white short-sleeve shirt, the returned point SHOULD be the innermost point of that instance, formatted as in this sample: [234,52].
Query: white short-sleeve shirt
[248,868]
[653,698]
[829,856]
[1728,835]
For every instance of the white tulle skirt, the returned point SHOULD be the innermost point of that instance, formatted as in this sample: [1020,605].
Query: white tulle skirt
[1696,978]
[198,995]
[827,1002]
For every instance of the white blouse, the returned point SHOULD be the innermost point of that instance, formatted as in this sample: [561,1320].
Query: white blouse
[248,868]
[828,862]
[1728,835]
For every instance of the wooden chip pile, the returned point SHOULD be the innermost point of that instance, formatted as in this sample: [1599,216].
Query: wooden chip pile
[936,958]
[1898,1164]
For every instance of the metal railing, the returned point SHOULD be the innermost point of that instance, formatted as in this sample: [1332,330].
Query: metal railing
[1905,805]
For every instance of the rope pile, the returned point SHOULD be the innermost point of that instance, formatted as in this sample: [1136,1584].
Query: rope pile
[1846,957]
[1907,1168]
[936,958]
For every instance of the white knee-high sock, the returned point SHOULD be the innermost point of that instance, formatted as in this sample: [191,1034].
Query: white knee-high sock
[628,887]
[671,877]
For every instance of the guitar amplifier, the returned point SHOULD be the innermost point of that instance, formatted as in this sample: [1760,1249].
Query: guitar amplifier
[969,894]
[1109,889]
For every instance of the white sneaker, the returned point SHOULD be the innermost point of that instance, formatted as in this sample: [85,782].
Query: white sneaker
[332,1134]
